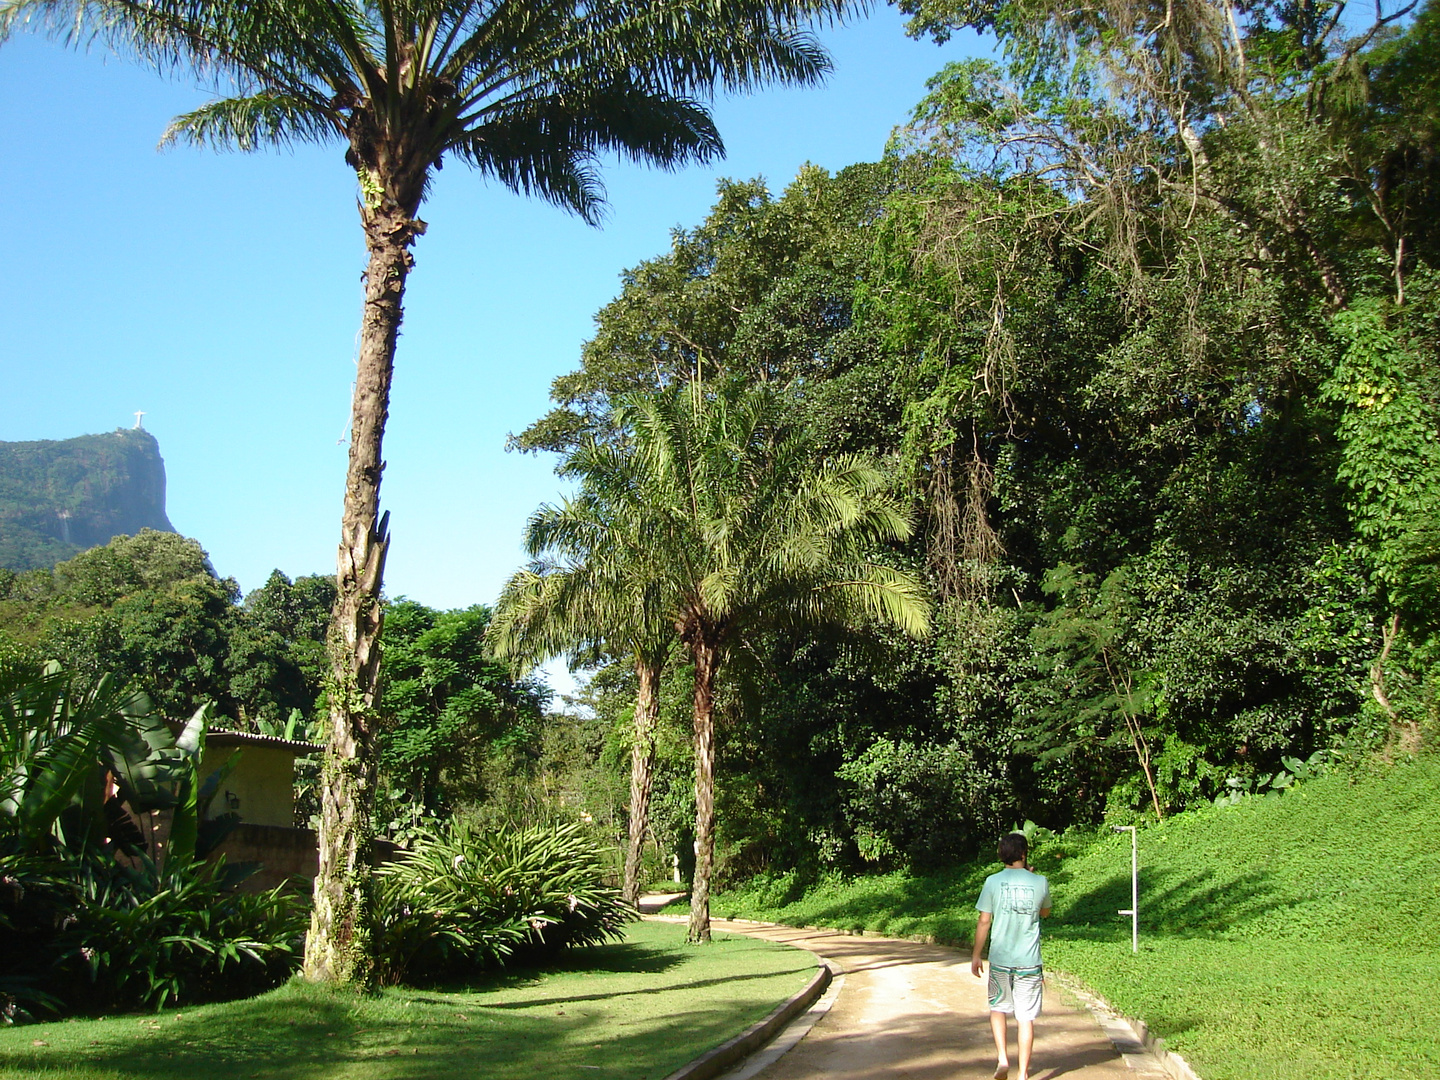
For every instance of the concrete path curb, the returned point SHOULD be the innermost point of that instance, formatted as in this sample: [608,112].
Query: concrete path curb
[729,1053]
[1132,1038]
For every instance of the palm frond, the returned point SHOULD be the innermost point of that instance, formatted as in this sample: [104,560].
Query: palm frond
[248,123]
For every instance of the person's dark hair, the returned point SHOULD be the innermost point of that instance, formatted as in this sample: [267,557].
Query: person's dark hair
[1013,848]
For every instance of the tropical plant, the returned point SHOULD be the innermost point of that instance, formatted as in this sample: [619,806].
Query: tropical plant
[743,530]
[591,589]
[462,899]
[108,899]
[53,732]
[157,772]
[530,95]
[146,935]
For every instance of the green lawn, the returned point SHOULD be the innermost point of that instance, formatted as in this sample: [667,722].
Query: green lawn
[1282,938]
[636,1010]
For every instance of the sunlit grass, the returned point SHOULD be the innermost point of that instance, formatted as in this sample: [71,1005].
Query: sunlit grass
[1285,938]
[636,1010]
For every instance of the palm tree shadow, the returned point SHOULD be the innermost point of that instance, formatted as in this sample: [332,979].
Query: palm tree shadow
[1199,904]
[617,958]
[660,988]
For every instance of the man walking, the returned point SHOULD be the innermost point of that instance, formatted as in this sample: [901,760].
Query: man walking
[1011,905]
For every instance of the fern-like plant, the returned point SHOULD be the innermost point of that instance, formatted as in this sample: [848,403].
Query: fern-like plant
[462,900]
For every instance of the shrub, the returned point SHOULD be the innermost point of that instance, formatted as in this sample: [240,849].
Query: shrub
[96,915]
[462,899]
[135,938]
[920,805]
[92,934]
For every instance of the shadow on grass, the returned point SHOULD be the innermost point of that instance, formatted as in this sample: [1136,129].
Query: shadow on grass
[692,984]
[1200,904]
[303,1032]
[616,958]
[940,905]
[265,1039]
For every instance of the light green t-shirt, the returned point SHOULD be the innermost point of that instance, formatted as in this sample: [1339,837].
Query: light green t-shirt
[1015,898]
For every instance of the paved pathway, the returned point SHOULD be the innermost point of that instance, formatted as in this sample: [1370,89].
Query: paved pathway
[915,1011]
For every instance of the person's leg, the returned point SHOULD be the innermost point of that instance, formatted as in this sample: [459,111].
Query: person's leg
[1029,997]
[1002,1003]
[1002,1055]
[1025,1037]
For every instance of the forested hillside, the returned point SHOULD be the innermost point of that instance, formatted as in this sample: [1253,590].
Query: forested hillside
[1142,323]
[58,498]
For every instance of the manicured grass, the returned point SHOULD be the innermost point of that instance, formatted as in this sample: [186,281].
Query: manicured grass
[900,904]
[1285,938]
[636,1010]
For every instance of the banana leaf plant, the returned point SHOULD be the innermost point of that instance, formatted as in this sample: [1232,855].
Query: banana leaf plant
[61,737]
[53,731]
[157,779]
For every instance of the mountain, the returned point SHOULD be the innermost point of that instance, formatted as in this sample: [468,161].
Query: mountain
[59,497]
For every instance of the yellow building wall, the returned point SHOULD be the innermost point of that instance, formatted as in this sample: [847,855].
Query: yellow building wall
[262,787]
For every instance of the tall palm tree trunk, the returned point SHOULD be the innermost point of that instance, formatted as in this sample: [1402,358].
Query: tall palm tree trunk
[707,660]
[642,769]
[337,948]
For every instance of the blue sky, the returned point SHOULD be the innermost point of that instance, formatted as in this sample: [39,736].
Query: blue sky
[220,293]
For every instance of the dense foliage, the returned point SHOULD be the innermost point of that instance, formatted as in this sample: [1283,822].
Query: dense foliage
[1143,320]
[150,610]
[112,897]
[107,898]
[464,899]
[459,731]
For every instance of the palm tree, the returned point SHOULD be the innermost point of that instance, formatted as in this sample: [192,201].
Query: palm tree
[589,591]
[530,93]
[744,531]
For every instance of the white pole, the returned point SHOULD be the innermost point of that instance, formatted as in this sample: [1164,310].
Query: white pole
[1134,892]
[1134,910]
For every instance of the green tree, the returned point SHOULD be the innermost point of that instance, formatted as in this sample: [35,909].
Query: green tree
[529,95]
[760,291]
[448,707]
[1166,289]
[277,660]
[745,530]
[591,592]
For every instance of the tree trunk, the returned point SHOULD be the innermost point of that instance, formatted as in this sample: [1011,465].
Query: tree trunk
[337,949]
[707,659]
[642,770]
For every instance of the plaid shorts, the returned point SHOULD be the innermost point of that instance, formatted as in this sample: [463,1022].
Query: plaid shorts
[1018,991]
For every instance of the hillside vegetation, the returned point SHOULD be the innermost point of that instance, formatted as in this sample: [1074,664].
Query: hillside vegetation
[59,497]
[1168,456]
[1284,937]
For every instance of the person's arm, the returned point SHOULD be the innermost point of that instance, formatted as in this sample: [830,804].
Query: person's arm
[982,933]
[1045,904]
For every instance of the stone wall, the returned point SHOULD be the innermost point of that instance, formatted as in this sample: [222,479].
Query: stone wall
[284,855]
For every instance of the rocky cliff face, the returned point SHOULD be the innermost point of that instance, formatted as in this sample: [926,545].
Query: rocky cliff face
[58,498]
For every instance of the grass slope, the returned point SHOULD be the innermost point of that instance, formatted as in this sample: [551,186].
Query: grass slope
[636,1010]
[1280,938]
